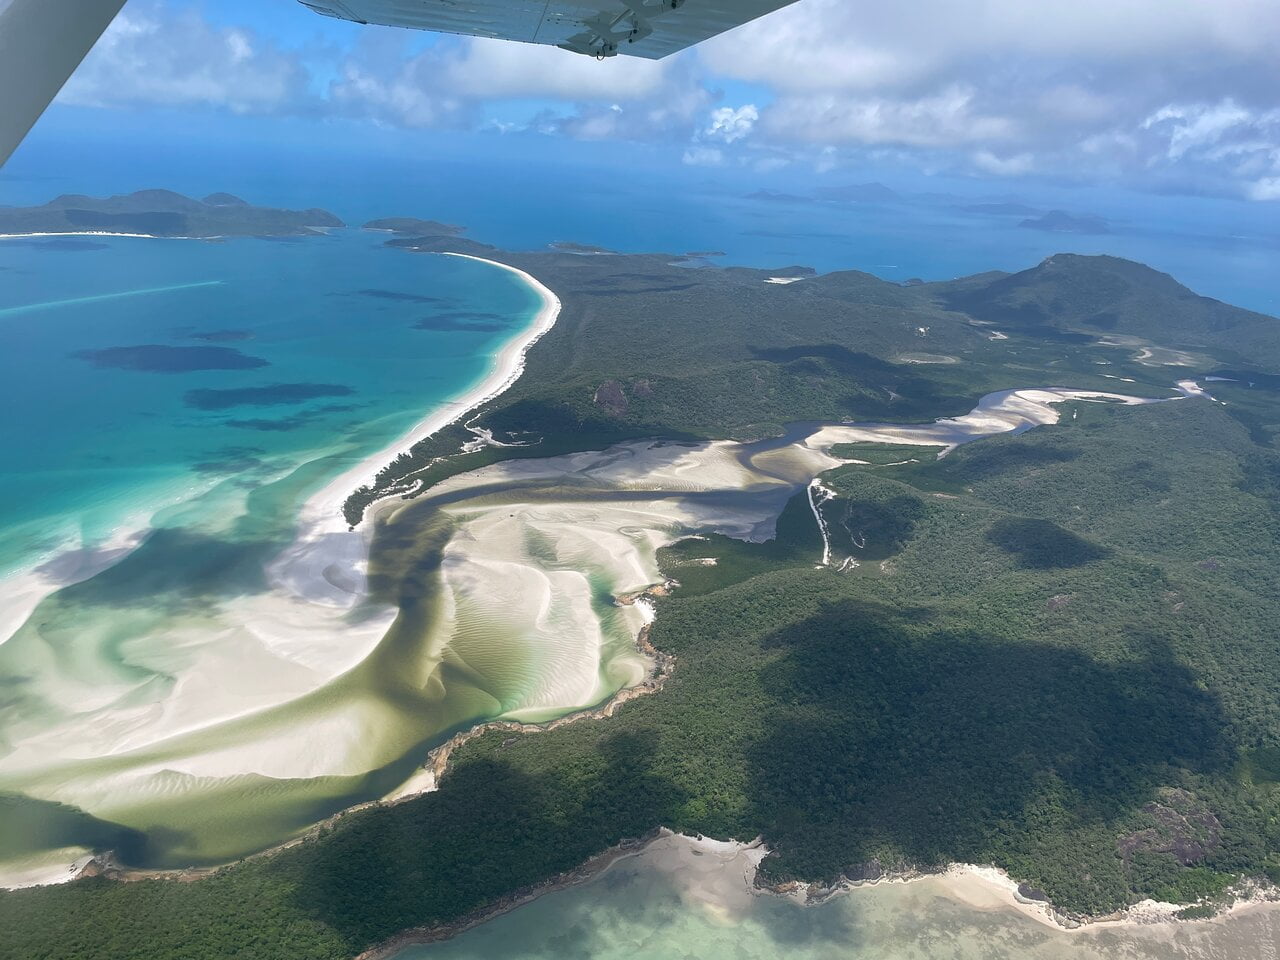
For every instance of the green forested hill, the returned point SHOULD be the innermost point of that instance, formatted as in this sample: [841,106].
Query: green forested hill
[1096,296]
[651,346]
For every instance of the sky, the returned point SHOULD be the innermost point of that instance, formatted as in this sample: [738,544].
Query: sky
[1167,97]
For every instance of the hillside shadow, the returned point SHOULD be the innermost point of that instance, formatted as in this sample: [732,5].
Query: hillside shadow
[889,738]
[1042,544]
[33,826]
[491,829]
[892,735]
[898,391]
[175,571]
[979,461]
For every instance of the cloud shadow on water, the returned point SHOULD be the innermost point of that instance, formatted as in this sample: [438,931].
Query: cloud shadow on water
[162,358]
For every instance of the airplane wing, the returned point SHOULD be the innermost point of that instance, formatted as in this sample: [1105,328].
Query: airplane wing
[41,42]
[601,28]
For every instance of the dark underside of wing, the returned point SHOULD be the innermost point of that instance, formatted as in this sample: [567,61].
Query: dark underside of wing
[640,28]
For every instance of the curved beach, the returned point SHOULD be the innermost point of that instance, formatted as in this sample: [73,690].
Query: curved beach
[240,685]
[508,365]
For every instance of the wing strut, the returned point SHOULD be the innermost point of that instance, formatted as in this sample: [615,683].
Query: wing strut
[602,36]
[41,43]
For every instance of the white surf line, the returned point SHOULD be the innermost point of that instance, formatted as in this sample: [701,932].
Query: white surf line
[324,539]
[818,495]
[101,233]
[508,366]
[100,297]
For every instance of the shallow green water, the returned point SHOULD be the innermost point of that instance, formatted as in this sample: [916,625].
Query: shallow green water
[660,906]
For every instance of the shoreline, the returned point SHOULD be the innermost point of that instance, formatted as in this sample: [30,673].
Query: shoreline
[508,366]
[988,887]
[321,514]
[103,233]
[983,888]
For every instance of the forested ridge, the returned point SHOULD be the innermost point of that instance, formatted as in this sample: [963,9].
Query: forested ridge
[649,345]
[1057,652]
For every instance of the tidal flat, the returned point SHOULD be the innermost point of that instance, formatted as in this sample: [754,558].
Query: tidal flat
[680,897]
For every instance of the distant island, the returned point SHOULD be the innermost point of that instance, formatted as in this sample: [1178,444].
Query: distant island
[1059,221]
[414,226]
[1001,209]
[770,196]
[583,249]
[848,193]
[860,193]
[163,213]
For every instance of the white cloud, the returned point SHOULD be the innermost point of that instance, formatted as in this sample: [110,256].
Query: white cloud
[1191,127]
[1220,139]
[1268,188]
[950,117]
[834,44]
[1016,165]
[481,68]
[697,156]
[377,81]
[1184,94]
[1005,87]
[152,56]
[730,125]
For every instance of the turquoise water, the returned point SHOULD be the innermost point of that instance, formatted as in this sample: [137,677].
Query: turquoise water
[322,338]
[663,906]
[200,392]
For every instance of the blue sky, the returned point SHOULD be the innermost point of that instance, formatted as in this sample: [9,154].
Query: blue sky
[1174,97]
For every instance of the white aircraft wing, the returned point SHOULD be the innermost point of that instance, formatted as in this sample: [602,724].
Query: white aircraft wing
[41,42]
[602,28]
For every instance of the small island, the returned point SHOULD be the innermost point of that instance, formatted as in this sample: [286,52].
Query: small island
[414,226]
[582,249]
[1059,221]
[162,213]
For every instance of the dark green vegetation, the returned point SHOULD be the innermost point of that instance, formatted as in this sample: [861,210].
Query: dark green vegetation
[884,453]
[413,226]
[1057,653]
[163,213]
[645,346]
[1100,718]
[706,564]
[1071,297]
